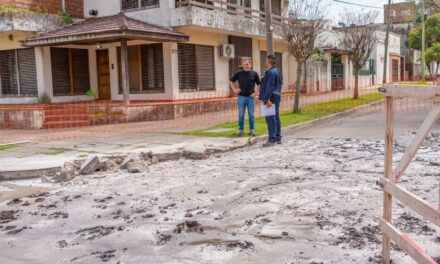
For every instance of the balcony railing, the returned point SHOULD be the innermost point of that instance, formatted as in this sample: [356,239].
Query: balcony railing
[232,9]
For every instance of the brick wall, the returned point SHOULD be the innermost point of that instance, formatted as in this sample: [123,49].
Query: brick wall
[401,12]
[74,7]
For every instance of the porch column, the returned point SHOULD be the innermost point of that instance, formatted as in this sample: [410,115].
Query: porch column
[328,57]
[256,56]
[171,70]
[347,68]
[124,72]
[44,71]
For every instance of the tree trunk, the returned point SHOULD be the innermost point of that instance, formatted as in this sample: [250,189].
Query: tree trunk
[356,85]
[296,108]
[437,79]
[430,71]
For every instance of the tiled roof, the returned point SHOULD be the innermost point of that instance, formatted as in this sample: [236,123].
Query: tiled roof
[117,25]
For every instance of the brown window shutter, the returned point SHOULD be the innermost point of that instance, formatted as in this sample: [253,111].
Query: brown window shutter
[80,67]
[187,62]
[263,56]
[27,71]
[60,70]
[146,3]
[133,69]
[129,4]
[8,73]
[205,67]
[152,68]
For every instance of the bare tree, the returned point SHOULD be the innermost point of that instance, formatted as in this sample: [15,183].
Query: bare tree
[434,5]
[358,38]
[302,32]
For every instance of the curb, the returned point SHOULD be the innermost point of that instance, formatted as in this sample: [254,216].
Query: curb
[27,174]
[163,157]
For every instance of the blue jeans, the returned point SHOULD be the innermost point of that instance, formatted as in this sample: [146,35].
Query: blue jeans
[243,102]
[273,122]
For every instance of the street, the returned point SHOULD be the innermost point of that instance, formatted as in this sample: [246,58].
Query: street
[310,200]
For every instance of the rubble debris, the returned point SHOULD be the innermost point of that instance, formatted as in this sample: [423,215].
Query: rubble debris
[130,158]
[137,166]
[195,151]
[90,165]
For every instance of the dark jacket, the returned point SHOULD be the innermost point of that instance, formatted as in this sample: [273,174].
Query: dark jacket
[271,84]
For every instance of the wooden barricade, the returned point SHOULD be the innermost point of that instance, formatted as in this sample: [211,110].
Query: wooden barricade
[391,177]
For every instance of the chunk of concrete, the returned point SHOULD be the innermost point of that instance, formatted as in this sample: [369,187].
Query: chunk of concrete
[167,156]
[64,176]
[195,151]
[137,166]
[90,165]
[130,158]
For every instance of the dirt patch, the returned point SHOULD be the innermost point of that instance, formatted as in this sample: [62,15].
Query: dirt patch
[189,227]
[95,232]
[411,224]
[8,216]
[358,238]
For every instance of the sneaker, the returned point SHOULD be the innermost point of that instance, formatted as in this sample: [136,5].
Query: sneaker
[269,144]
[252,133]
[279,142]
[240,133]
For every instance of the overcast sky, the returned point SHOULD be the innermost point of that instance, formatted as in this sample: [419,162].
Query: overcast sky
[335,7]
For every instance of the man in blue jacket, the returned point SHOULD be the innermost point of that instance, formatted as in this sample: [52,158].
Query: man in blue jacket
[270,94]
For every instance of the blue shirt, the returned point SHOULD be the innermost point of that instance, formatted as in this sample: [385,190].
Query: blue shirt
[271,84]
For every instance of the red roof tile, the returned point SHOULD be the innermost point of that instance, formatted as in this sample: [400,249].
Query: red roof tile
[118,25]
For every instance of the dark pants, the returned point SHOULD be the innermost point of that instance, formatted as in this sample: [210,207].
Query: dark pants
[273,122]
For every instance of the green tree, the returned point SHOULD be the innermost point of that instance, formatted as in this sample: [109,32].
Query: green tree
[432,33]
[432,58]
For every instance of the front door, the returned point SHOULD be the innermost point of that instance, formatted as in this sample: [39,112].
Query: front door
[103,74]
[243,49]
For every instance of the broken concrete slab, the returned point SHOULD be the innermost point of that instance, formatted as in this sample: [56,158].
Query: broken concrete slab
[195,151]
[130,158]
[137,166]
[90,165]
[26,174]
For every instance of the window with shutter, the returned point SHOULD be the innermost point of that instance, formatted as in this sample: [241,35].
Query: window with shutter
[205,67]
[8,73]
[196,67]
[80,70]
[152,68]
[27,70]
[133,69]
[187,63]
[70,71]
[60,71]
[128,5]
[263,55]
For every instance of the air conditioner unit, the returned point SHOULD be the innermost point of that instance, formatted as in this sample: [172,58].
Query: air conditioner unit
[227,51]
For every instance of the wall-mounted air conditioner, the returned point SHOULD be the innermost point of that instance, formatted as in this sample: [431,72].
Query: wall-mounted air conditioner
[227,51]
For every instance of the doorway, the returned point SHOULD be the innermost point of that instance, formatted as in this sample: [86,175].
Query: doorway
[243,49]
[337,73]
[102,60]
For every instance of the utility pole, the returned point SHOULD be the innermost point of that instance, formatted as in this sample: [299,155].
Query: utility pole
[269,26]
[423,40]
[387,40]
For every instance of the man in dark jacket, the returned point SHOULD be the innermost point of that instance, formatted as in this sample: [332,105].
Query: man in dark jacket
[270,94]
[247,79]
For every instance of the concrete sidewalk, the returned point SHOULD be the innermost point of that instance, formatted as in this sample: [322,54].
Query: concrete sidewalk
[54,154]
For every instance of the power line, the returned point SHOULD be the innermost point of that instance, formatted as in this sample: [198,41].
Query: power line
[344,2]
